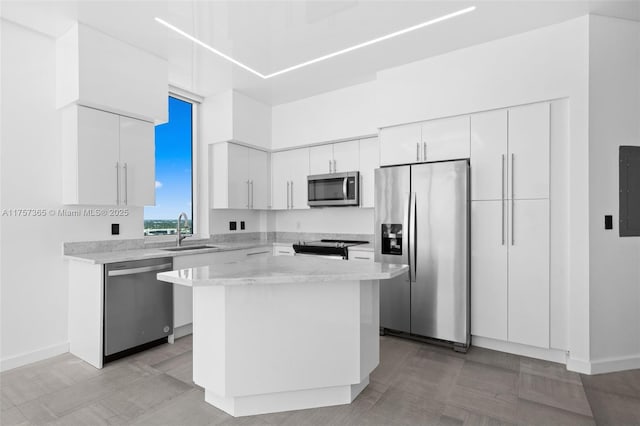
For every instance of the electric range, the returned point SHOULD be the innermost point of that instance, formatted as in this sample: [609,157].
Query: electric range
[327,248]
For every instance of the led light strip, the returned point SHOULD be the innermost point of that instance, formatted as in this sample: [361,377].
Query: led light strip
[321,58]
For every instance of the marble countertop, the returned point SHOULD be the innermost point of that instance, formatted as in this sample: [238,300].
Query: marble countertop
[282,269]
[151,253]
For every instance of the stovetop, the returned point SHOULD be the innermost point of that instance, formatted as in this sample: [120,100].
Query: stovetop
[326,247]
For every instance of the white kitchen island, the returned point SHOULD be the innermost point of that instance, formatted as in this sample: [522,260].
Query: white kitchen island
[284,333]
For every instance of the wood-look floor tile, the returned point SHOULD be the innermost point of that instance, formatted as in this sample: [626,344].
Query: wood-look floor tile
[134,400]
[396,406]
[486,378]
[428,374]
[188,408]
[393,353]
[534,414]
[6,402]
[179,367]
[552,370]
[555,393]
[13,417]
[613,409]
[455,415]
[502,406]
[621,383]
[493,358]
[94,415]
[37,413]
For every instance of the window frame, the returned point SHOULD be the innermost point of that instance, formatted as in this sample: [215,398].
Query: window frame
[196,221]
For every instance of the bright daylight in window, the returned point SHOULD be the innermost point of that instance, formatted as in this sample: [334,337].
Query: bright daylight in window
[174,172]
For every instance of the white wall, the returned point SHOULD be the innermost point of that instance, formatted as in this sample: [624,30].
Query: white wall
[255,220]
[614,120]
[344,220]
[34,276]
[340,114]
[549,63]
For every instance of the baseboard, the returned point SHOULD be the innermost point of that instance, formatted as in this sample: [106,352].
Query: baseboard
[182,331]
[578,366]
[611,365]
[35,356]
[553,355]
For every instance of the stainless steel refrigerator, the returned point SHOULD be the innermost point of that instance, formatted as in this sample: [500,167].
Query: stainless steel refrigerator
[422,220]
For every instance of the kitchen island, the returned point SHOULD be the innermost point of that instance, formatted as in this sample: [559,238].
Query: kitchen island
[284,333]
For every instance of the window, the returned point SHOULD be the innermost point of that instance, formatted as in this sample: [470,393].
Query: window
[174,172]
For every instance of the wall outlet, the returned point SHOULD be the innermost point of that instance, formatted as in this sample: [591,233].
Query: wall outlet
[233,225]
[115,229]
[242,224]
[608,221]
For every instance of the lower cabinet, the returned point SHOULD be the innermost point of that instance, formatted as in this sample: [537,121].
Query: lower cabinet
[283,250]
[361,255]
[182,295]
[510,271]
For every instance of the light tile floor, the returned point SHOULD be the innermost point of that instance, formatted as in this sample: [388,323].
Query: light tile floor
[415,384]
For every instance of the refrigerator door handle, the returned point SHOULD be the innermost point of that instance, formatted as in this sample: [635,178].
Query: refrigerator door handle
[411,234]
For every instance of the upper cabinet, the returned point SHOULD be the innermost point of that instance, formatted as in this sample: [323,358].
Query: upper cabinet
[240,177]
[99,71]
[436,140]
[289,170]
[369,161]
[333,158]
[107,159]
[510,153]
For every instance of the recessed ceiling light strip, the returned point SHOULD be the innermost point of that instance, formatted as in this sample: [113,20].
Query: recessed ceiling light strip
[321,58]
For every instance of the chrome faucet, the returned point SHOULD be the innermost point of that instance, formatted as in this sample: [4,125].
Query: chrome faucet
[179,228]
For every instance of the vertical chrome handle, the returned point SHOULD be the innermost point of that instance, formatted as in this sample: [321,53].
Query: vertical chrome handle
[291,194]
[424,151]
[287,194]
[329,166]
[513,238]
[251,183]
[502,205]
[334,166]
[412,234]
[117,183]
[126,184]
[417,151]
[248,193]
[344,188]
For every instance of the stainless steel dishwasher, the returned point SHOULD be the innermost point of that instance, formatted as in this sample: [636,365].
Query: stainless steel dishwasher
[138,309]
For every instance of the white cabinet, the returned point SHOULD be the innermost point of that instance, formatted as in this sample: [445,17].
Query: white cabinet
[489,155]
[240,177]
[289,171]
[107,159]
[333,158]
[369,161]
[529,272]
[510,271]
[489,287]
[529,152]
[510,225]
[446,139]
[97,70]
[400,144]
[436,140]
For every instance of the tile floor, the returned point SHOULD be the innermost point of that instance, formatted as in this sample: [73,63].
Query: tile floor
[415,384]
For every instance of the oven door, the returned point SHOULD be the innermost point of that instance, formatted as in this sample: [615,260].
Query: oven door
[334,189]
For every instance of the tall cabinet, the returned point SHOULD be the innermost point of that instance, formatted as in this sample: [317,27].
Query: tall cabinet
[510,199]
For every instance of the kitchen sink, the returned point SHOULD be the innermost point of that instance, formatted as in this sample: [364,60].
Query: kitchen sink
[185,248]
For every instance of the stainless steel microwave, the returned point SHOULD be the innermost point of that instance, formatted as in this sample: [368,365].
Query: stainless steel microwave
[334,189]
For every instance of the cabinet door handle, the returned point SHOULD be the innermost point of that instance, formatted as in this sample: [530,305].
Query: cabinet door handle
[513,238]
[424,151]
[251,193]
[502,209]
[288,183]
[126,184]
[291,194]
[417,151]
[334,166]
[248,193]
[117,183]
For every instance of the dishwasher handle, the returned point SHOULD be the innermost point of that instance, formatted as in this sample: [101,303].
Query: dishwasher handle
[140,270]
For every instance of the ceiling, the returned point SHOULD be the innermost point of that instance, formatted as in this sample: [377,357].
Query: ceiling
[272,35]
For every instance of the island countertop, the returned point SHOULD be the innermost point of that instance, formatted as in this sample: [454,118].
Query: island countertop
[282,269]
